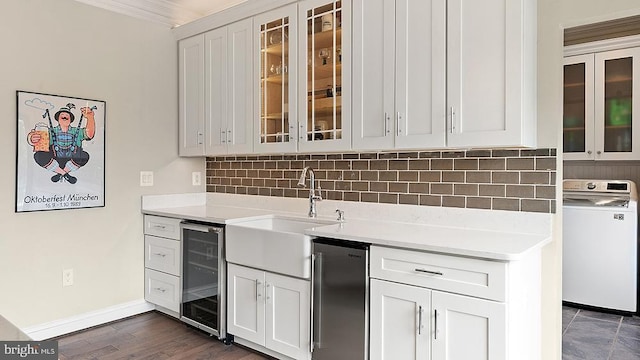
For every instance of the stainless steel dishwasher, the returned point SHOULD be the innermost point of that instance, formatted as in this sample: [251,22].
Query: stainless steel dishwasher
[340,304]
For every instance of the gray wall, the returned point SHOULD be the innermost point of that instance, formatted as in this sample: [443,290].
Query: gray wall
[67,48]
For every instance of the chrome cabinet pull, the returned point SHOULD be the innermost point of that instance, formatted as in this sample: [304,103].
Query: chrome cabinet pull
[161,227]
[387,131]
[452,116]
[160,254]
[435,324]
[159,289]
[429,272]
[398,120]
[257,290]
[419,319]
[223,136]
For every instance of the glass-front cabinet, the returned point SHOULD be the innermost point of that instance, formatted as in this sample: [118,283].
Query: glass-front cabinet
[276,94]
[324,97]
[601,92]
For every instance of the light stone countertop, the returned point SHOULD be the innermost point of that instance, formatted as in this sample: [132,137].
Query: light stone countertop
[493,244]
[10,332]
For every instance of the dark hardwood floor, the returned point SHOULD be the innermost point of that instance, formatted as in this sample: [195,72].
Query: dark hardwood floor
[152,336]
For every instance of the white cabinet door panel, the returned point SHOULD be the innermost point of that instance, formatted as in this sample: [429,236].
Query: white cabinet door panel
[240,117]
[191,90]
[216,90]
[245,315]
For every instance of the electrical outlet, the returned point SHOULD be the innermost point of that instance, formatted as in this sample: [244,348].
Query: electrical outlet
[196,178]
[67,277]
[146,178]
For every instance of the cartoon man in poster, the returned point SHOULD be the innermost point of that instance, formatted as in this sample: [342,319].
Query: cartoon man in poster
[59,148]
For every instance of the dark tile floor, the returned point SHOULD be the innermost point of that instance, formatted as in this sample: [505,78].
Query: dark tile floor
[595,335]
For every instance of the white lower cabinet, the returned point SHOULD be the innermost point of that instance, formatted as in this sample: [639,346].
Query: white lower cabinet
[418,323]
[269,310]
[443,307]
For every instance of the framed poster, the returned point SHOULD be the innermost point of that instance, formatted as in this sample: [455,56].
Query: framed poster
[60,152]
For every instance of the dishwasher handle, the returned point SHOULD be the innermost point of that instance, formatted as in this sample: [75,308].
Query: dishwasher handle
[316,301]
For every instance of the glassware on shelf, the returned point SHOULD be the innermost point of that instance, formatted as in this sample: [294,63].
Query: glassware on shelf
[324,54]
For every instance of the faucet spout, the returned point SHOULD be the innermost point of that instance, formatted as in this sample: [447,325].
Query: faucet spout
[313,197]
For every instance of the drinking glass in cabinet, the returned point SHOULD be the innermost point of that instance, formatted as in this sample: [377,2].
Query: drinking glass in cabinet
[324,72]
[274,82]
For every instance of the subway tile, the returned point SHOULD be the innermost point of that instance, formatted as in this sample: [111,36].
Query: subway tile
[453,201]
[441,164]
[369,197]
[230,189]
[534,177]
[369,175]
[431,200]
[420,164]
[491,164]
[314,164]
[360,186]
[351,196]
[283,183]
[430,176]
[478,177]
[328,185]
[360,164]
[252,173]
[453,154]
[247,165]
[531,205]
[334,156]
[277,192]
[368,155]
[520,164]
[478,202]
[264,157]
[283,164]
[252,190]
[303,157]
[390,155]
[378,186]
[318,157]
[225,181]
[419,188]
[505,153]
[270,183]
[334,175]
[534,152]
[465,164]
[387,198]
[546,164]
[545,192]
[492,190]
[520,191]
[334,195]
[258,182]
[453,176]
[327,165]
[242,190]
[409,155]
[351,175]
[342,165]
[270,165]
[465,189]
[503,177]
[225,165]
[398,187]
[408,176]
[263,191]
[388,176]
[264,173]
[401,164]
[409,199]
[379,164]
[241,173]
[442,189]
[352,156]
[505,204]
[478,153]
[236,181]
[343,185]
[430,155]
[276,174]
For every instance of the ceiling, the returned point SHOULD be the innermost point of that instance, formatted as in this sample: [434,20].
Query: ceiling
[170,13]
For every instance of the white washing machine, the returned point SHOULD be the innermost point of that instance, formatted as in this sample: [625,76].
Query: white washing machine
[600,245]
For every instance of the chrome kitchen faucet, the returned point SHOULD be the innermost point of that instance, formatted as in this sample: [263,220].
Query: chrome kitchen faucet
[312,190]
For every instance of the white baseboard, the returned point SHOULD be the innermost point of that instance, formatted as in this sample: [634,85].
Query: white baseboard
[83,321]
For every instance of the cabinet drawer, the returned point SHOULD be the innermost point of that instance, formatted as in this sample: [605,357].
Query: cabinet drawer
[162,289]
[474,277]
[162,254]
[162,226]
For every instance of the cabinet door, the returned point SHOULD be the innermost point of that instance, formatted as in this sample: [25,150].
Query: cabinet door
[275,39]
[467,328]
[617,95]
[374,74]
[240,85]
[324,108]
[191,90]
[400,322]
[216,91]
[491,73]
[578,121]
[245,306]
[420,73]
[287,316]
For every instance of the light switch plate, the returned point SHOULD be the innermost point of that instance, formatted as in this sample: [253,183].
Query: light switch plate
[146,178]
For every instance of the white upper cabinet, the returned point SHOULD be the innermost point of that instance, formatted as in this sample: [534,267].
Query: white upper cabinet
[491,73]
[600,93]
[191,102]
[216,91]
[399,74]
[324,66]
[275,40]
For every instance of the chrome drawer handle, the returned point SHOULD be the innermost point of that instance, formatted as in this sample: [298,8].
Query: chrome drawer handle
[159,289]
[160,254]
[429,272]
[161,227]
